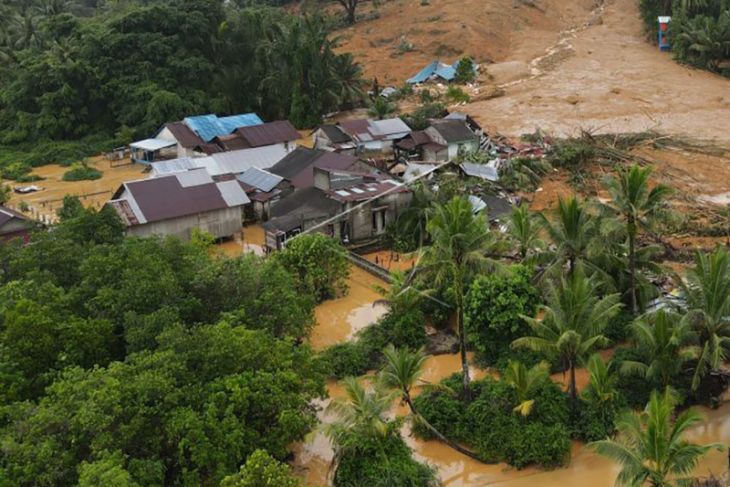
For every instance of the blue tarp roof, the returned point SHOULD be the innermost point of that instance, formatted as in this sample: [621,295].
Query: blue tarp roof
[438,69]
[210,126]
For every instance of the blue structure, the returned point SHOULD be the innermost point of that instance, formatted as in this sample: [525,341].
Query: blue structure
[664,44]
[436,70]
[210,126]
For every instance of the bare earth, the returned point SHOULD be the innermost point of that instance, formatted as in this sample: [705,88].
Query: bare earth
[607,78]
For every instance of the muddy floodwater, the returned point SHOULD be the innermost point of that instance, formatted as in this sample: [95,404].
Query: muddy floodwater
[339,319]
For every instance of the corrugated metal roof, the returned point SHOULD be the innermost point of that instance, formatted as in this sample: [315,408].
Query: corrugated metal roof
[172,166]
[390,128]
[232,193]
[184,135]
[269,133]
[454,130]
[295,162]
[6,214]
[482,171]
[238,162]
[260,179]
[194,177]
[152,144]
[209,126]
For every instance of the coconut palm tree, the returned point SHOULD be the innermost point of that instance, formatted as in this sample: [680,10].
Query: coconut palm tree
[402,371]
[601,381]
[572,231]
[637,205]
[707,290]
[381,108]
[525,382]
[663,338]
[400,296]
[362,414]
[459,242]
[573,323]
[649,447]
[524,229]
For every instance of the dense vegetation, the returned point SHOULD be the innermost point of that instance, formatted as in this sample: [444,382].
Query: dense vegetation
[127,67]
[152,361]
[699,31]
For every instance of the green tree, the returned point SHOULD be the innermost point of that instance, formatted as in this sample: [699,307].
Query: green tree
[493,310]
[318,262]
[261,470]
[650,448]
[637,205]
[572,231]
[381,108]
[109,470]
[664,340]
[402,371]
[459,242]
[707,290]
[525,383]
[572,326]
[524,229]
[465,70]
[5,193]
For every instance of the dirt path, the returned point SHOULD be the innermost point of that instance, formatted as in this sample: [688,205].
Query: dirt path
[608,78]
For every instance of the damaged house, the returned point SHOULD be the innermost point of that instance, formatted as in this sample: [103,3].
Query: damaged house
[442,141]
[375,137]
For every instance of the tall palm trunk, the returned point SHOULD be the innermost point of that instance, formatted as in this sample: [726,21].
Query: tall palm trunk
[459,291]
[572,389]
[632,262]
[435,432]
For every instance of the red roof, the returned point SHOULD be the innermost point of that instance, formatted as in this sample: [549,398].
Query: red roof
[268,133]
[184,136]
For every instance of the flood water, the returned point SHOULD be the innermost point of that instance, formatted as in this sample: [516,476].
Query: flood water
[337,319]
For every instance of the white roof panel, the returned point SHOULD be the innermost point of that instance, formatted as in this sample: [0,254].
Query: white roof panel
[195,177]
[391,126]
[232,193]
[152,144]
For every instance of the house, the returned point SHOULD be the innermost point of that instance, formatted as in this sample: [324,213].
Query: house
[361,136]
[179,203]
[330,137]
[191,137]
[298,166]
[437,71]
[264,189]
[14,225]
[455,135]
[233,162]
[352,207]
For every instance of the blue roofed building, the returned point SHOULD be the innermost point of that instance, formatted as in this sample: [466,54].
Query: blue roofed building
[208,127]
[436,71]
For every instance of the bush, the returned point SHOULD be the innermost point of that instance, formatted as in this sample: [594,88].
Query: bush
[636,390]
[382,462]
[457,95]
[493,309]
[82,172]
[345,360]
[491,427]
[572,154]
[419,119]
[596,421]
[465,70]
[320,264]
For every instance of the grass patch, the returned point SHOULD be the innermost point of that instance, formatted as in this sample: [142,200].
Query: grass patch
[82,172]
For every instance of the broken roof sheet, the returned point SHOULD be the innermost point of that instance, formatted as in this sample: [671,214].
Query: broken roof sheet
[436,69]
[335,135]
[483,171]
[260,179]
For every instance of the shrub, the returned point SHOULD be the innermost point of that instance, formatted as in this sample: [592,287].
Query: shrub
[381,462]
[636,390]
[490,426]
[82,172]
[261,470]
[493,309]
[457,94]
[596,421]
[345,359]
[419,119]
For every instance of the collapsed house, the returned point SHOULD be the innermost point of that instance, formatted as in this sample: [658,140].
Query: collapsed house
[361,136]
[438,72]
[442,141]
[179,203]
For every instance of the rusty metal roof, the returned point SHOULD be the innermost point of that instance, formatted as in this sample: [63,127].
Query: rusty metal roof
[184,136]
[268,133]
